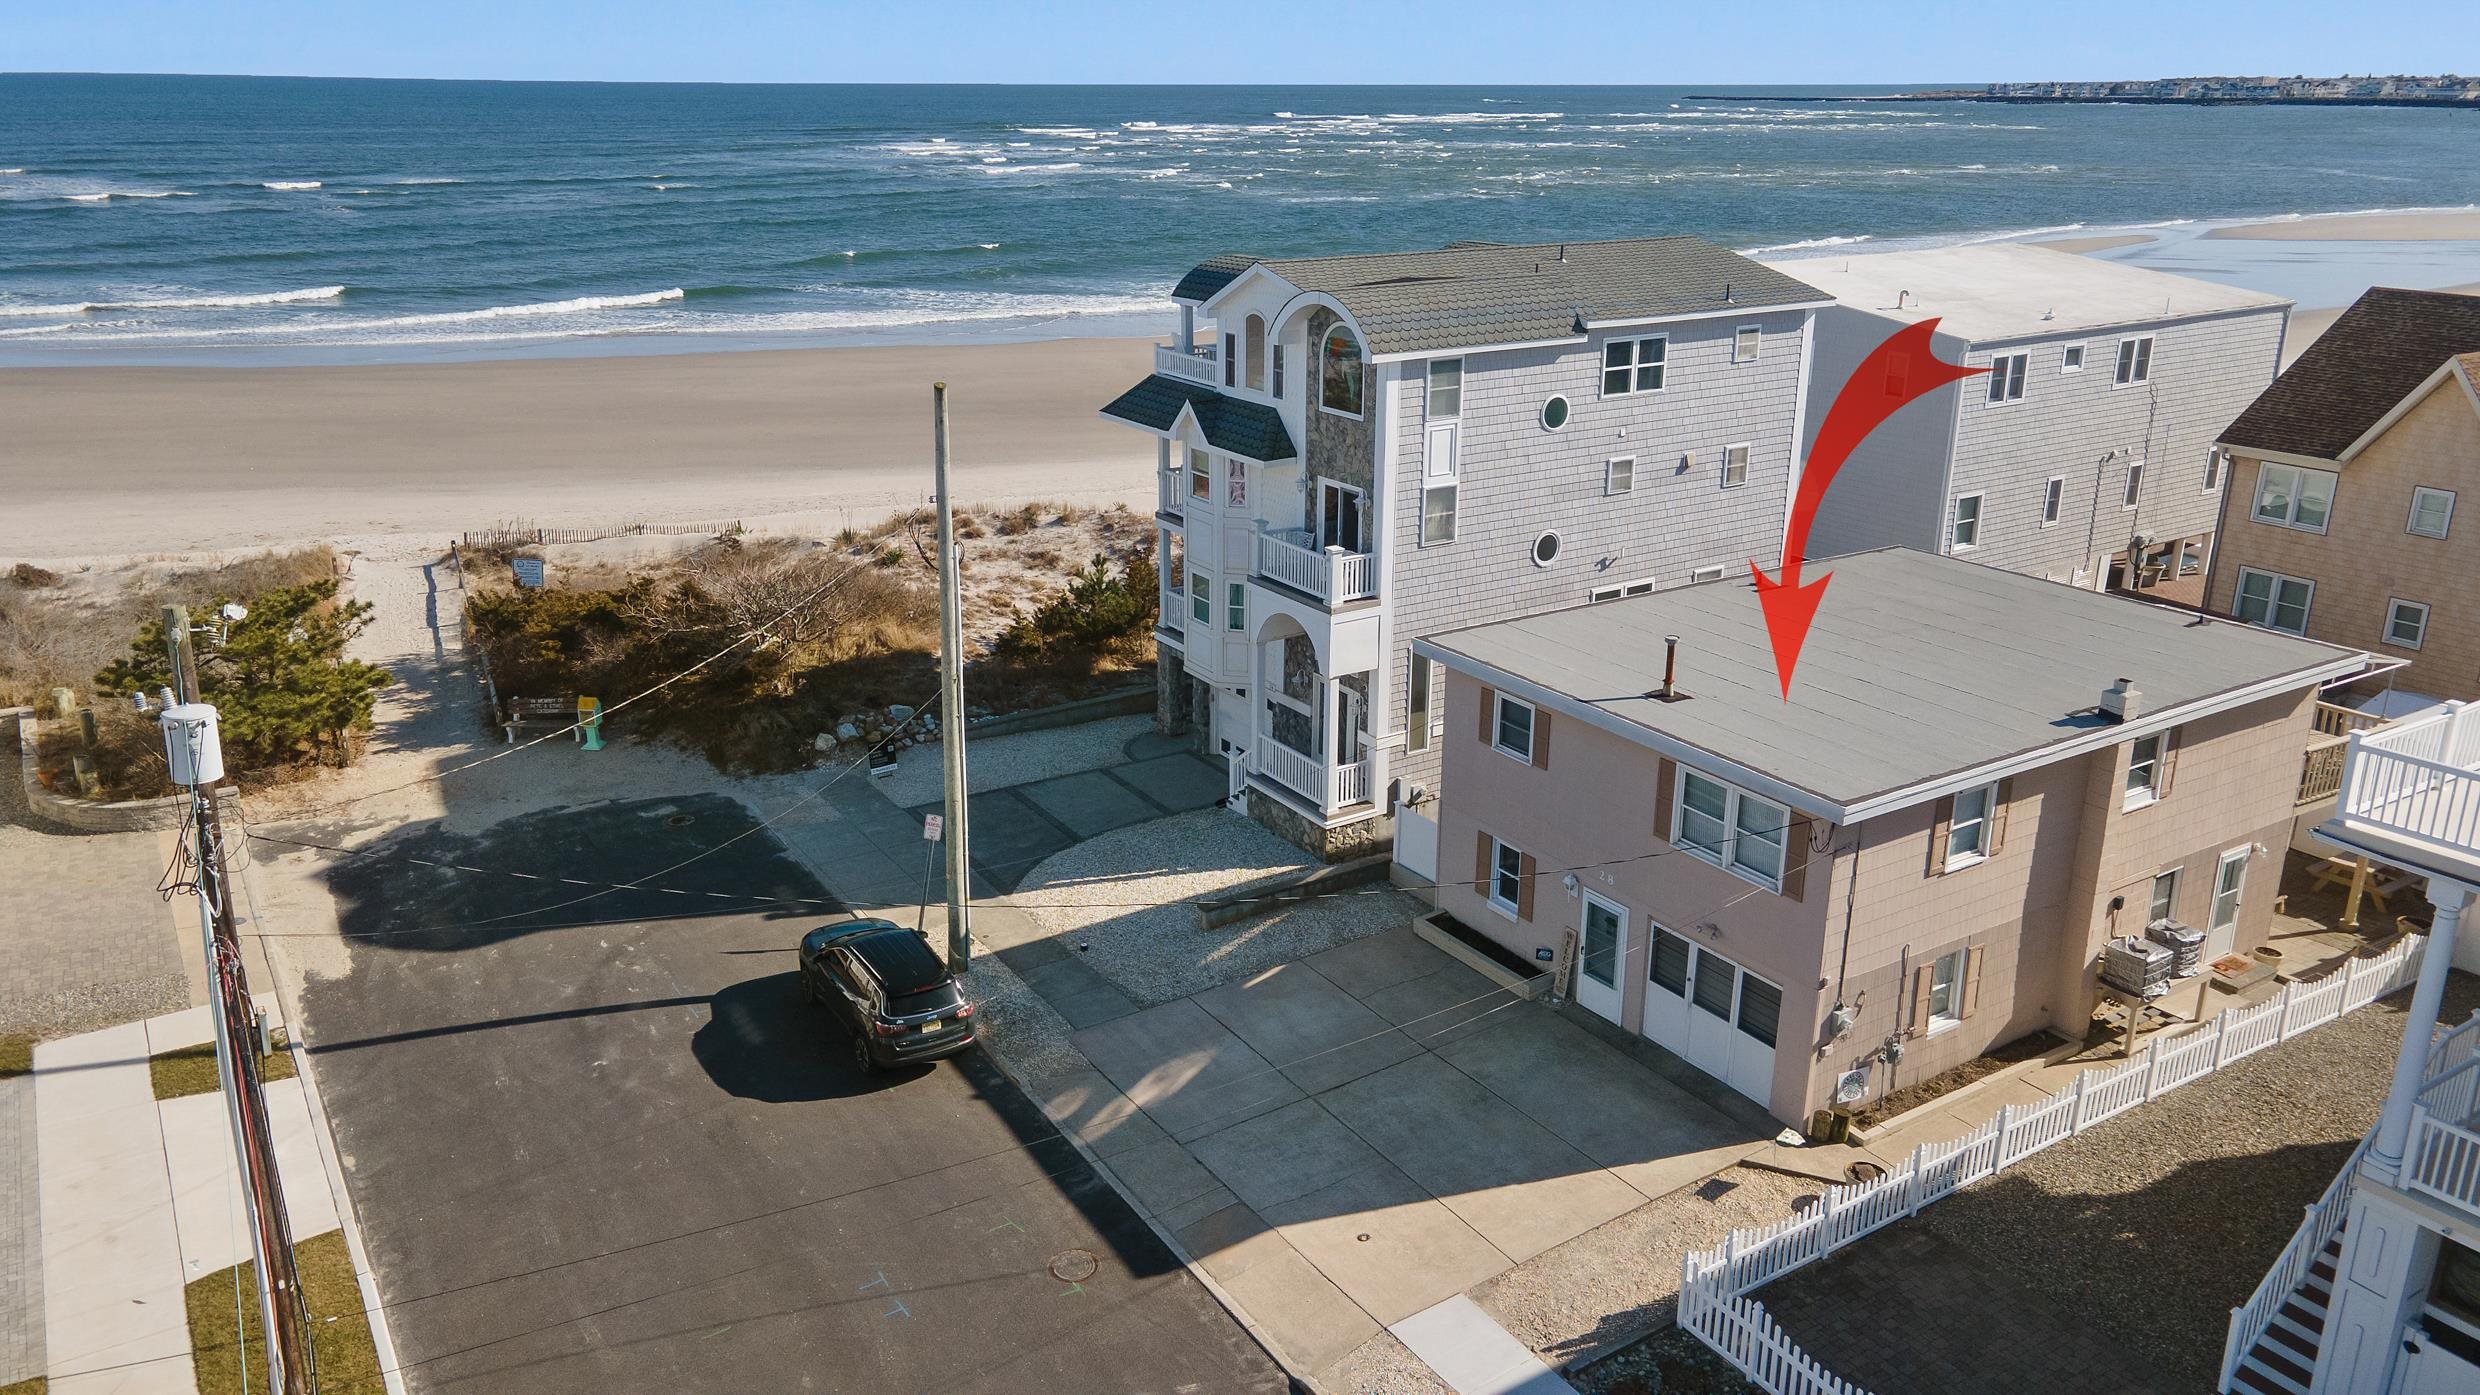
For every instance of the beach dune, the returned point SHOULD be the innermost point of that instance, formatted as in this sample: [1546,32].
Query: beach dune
[105,460]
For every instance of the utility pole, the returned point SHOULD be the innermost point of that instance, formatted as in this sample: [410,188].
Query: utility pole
[282,1318]
[951,701]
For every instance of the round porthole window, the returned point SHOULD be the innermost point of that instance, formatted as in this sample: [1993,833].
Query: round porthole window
[1545,549]
[1554,413]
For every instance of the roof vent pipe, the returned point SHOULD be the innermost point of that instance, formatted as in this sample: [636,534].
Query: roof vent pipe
[1900,297]
[1670,670]
[1726,292]
[1562,254]
[2122,701]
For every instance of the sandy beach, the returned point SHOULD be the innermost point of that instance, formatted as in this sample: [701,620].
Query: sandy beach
[110,460]
[2101,243]
[2458,226]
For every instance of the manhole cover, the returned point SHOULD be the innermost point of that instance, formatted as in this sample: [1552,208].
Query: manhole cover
[679,820]
[1074,1266]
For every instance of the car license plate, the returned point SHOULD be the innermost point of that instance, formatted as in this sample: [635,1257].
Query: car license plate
[932,1025]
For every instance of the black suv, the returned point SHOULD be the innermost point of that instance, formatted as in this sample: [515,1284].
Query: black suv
[892,990]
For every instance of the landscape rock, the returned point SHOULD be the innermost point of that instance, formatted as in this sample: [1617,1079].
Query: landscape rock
[899,712]
[823,741]
[846,731]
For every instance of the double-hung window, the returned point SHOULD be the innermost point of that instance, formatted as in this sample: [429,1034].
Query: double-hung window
[1619,475]
[2291,496]
[1634,365]
[2051,493]
[2135,360]
[1734,466]
[2144,771]
[1964,531]
[1438,510]
[1730,828]
[2432,512]
[2165,901]
[1506,877]
[2406,623]
[2273,600]
[1200,597]
[1236,607]
[1946,990]
[1745,343]
[1446,389]
[1967,833]
[1512,731]
[1200,476]
[2006,377]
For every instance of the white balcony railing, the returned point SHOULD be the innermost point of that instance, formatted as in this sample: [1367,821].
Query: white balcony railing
[1201,366]
[1332,575]
[1329,787]
[2417,782]
[1171,492]
[2443,1155]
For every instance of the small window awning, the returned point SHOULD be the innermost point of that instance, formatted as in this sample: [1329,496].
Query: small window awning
[1249,429]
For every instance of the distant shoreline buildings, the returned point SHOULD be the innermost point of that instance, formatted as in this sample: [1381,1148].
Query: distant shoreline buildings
[2388,91]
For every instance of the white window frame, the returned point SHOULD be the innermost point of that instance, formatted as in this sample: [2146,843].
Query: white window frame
[1750,338]
[1979,826]
[2006,378]
[1500,705]
[1946,976]
[1274,373]
[1236,607]
[2241,855]
[1728,855]
[2396,605]
[1200,598]
[2299,476]
[1430,489]
[1506,865]
[2216,462]
[1701,574]
[2154,908]
[2145,795]
[2053,494]
[2132,493]
[1430,390]
[1418,702]
[1619,475]
[2071,357]
[1954,519]
[1642,586]
[1200,475]
[2273,600]
[1735,458]
[2134,364]
[1635,365]
[2412,519]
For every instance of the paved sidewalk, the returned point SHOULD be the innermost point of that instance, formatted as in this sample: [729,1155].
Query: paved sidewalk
[21,1237]
[1474,1354]
[137,1198]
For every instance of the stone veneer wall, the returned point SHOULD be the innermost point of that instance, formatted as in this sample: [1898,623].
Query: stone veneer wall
[1365,838]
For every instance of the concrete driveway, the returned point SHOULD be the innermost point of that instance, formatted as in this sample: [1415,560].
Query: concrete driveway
[599,1143]
[1347,1140]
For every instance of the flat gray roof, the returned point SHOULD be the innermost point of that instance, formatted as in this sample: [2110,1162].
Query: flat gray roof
[2001,291]
[1918,668]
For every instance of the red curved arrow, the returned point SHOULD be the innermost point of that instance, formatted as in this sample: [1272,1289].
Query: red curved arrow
[1902,368]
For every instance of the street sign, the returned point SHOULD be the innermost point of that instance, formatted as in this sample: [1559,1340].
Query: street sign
[529,572]
[931,826]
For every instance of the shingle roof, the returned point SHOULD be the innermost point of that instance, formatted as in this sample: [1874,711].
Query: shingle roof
[1211,275]
[1917,667]
[1242,428]
[1473,293]
[2367,361]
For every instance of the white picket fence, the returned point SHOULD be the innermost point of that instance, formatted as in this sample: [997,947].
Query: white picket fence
[1714,1284]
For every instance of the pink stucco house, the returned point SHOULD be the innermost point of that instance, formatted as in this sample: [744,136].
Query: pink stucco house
[1917,857]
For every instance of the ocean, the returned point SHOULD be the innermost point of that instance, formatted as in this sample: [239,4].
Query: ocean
[190,219]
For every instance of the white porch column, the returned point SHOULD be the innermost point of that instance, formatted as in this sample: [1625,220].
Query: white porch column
[1188,328]
[2385,1155]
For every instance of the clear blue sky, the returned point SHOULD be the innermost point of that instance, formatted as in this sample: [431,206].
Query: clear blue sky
[1272,41]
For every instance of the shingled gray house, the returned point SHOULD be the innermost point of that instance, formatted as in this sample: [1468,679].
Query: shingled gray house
[1358,450]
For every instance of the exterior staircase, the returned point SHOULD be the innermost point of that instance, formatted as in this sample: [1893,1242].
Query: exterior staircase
[2281,1361]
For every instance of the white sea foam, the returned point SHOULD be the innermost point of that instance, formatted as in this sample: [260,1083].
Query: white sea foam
[987,246]
[1803,245]
[13,169]
[428,179]
[290,185]
[1059,168]
[186,302]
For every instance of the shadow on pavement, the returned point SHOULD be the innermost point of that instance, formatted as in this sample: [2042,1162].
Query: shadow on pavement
[767,1041]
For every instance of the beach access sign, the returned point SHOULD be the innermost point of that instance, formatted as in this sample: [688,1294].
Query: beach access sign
[529,571]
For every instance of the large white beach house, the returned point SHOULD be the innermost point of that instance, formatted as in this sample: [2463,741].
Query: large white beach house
[1358,450]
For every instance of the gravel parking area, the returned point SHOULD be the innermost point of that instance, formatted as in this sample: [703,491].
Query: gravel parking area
[1002,762]
[1124,900]
[2111,1260]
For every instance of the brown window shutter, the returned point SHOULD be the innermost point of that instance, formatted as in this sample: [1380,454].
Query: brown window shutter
[1971,982]
[2005,799]
[1481,863]
[2169,762]
[1796,857]
[1665,777]
[1524,886]
[1938,829]
[1489,716]
[1917,1020]
[1541,739]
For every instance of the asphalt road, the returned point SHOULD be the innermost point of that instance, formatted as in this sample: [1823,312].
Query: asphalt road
[607,1147]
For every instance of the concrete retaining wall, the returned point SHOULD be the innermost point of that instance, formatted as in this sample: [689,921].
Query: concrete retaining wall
[86,815]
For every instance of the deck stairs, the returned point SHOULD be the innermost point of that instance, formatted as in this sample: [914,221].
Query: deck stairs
[2281,1361]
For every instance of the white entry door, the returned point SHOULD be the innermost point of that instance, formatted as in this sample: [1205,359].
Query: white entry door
[1601,948]
[1712,1013]
[2222,926]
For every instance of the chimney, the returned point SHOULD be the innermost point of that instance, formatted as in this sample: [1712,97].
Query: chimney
[2122,701]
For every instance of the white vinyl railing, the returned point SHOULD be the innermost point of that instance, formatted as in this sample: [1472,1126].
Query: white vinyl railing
[2443,1160]
[1171,492]
[1291,556]
[1714,1284]
[1328,787]
[1200,367]
[2452,1047]
[2417,779]
[2249,1320]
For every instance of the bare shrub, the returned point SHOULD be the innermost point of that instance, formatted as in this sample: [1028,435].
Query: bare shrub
[27,576]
